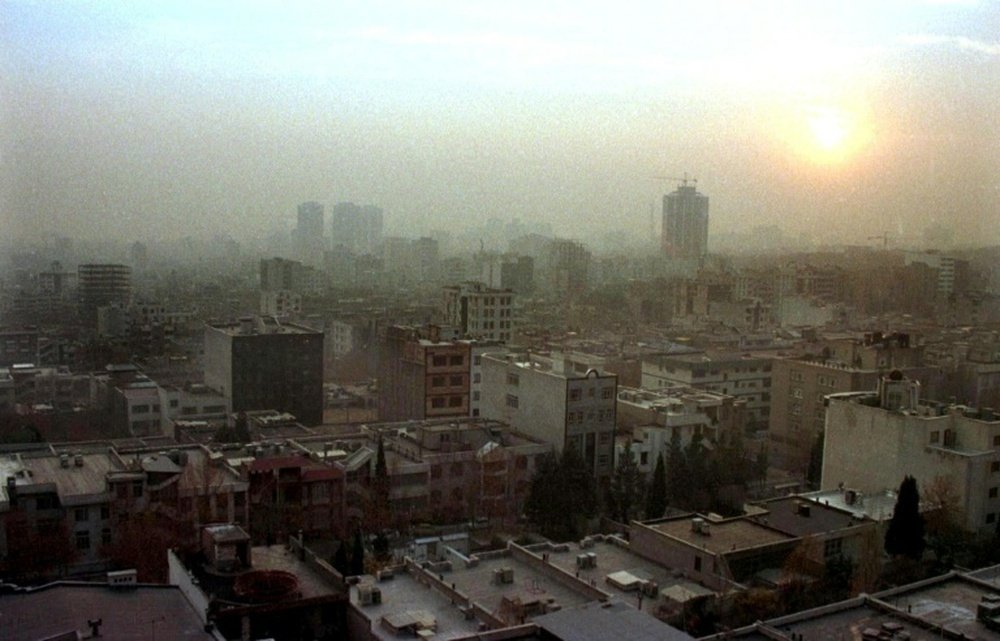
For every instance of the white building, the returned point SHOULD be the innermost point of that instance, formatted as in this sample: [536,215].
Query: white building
[536,395]
[874,440]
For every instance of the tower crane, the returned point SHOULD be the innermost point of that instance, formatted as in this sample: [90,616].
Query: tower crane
[683,181]
[884,237]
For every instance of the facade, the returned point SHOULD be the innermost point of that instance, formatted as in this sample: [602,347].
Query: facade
[480,312]
[685,223]
[358,228]
[309,233]
[261,363]
[652,417]
[100,285]
[567,267]
[874,439]
[537,395]
[421,375]
[799,386]
[18,346]
[745,376]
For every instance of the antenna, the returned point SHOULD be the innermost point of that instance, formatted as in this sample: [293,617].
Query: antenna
[683,181]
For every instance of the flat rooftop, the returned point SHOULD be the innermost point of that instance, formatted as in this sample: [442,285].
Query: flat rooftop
[950,604]
[802,517]
[403,595]
[612,558]
[72,481]
[279,557]
[724,536]
[138,614]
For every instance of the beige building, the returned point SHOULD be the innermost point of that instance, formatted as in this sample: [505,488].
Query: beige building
[873,440]
[539,396]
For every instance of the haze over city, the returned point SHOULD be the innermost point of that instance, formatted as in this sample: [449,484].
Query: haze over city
[833,121]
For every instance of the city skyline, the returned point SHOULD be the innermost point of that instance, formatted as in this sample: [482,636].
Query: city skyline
[158,122]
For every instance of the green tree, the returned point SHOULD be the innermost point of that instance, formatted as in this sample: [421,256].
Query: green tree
[656,498]
[627,486]
[678,479]
[562,496]
[815,472]
[905,534]
[357,566]
[340,563]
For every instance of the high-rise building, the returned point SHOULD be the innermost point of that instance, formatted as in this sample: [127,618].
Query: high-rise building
[422,374]
[309,233]
[262,364]
[356,227]
[102,285]
[685,223]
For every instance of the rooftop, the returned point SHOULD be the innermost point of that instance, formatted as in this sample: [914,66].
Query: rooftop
[73,481]
[802,517]
[724,536]
[601,621]
[139,613]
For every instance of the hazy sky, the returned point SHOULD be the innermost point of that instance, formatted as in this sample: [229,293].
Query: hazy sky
[838,120]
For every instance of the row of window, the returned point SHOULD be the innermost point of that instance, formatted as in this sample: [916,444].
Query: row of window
[455,380]
[450,401]
[441,360]
[600,415]
[82,514]
[576,394]
[82,538]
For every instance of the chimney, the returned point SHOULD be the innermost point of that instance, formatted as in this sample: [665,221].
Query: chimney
[804,510]
[78,460]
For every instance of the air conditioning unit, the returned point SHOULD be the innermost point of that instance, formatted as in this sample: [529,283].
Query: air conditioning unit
[650,588]
[508,575]
[365,594]
[376,596]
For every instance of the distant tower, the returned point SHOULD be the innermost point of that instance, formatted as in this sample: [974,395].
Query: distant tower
[309,233]
[102,285]
[356,228]
[685,223]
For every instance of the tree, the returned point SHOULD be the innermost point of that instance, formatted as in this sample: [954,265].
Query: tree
[656,498]
[340,563]
[627,486]
[357,566]
[380,489]
[905,535]
[815,472]
[678,479]
[562,495]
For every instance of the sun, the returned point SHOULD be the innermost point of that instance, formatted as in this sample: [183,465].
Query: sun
[829,127]
[830,133]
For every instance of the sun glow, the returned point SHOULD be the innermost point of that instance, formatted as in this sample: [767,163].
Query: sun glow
[828,133]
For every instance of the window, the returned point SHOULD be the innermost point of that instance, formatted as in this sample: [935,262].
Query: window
[437,381]
[457,469]
[435,471]
[604,438]
[136,489]
[439,361]
[106,536]
[475,395]
[455,361]
[995,466]
[511,400]
[437,401]
[935,436]
[477,378]
[833,547]
[996,441]
[574,394]
[602,459]
[455,401]
[590,392]
[140,409]
[80,514]
[455,380]
[993,492]
[697,564]
[991,517]
[607,393]
[513,379]
[477,360]
[173,402]
[643,458]
[105,512]
[83,540]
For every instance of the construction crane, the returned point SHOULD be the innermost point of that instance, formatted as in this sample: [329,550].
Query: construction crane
[884,238]
[683,181]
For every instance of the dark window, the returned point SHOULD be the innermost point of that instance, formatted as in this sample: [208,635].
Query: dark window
[81,514]
[993,492]
[105,512]
[456,380]
[83,540]
[437,381]
[437,401]
[439,361]
[106,536]
[455,401]
[136,489]
[995,466]
[697,564]
[457,360]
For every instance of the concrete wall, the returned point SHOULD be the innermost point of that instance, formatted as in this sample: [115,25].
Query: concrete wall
[219,361]
[179,576]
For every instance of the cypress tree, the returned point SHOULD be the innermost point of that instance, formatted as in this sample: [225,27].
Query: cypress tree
[656,499]
[357,555]
[905,535]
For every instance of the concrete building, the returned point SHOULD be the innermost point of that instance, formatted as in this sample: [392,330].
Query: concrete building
[422,374]
[261,363]
[952,273]
[685,223]
[480,312]
[18,345]
[309,242]
[539,396]
[848,364]
[743,375]
[358,228]
[874,439]
[101,285]
[652,417]
[566,266]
